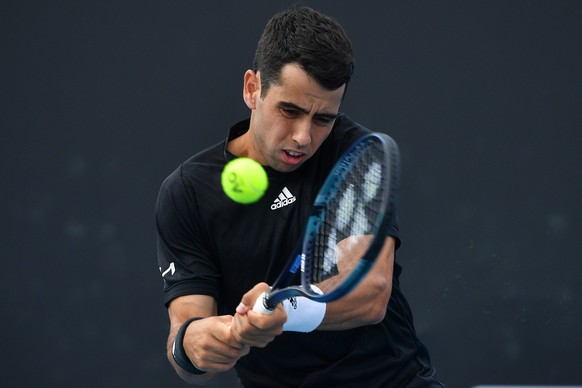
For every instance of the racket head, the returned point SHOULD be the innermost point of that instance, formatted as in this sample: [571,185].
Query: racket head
[367,172]
[351,218]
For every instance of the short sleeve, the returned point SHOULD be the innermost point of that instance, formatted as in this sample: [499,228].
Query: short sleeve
[184,256]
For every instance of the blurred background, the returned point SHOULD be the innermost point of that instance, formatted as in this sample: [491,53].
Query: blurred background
[101,100]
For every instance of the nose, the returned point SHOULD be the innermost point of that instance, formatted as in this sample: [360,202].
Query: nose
[302,132]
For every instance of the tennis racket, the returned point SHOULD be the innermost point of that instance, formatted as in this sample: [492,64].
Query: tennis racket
[347,227]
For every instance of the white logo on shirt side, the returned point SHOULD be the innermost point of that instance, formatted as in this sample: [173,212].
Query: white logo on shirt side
[171,269]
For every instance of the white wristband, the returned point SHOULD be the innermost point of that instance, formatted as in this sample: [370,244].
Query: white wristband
[303,314]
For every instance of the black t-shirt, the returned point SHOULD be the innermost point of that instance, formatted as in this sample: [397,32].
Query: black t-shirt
[210,245]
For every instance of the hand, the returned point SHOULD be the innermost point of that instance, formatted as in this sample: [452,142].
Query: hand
[255,329]
[210,345]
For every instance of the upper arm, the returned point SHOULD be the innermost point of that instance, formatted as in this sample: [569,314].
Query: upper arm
[185,258]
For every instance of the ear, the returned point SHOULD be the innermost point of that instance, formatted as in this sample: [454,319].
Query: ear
[251,88]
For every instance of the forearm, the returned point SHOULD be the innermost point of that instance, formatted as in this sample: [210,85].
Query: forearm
[359,308]
[205,344]
[200,379]
[368,302]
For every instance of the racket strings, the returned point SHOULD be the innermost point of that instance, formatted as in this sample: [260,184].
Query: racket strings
[350,216]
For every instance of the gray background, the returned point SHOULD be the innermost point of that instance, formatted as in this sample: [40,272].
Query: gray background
[100,100]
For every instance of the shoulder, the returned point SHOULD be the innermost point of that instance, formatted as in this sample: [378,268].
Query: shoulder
[345,124]
[344,133]
[198,166]
[346,130]
[199,163]
[206,162]
[195,175]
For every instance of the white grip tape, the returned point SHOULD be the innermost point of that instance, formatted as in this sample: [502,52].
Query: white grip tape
[259,305]
[303,314]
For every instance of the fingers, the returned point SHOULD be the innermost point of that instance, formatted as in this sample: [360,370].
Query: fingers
[215,344]
[248,299]
[210,345]
[255,329]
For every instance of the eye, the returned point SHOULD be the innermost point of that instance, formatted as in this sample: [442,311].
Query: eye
[289,112]
[323,120]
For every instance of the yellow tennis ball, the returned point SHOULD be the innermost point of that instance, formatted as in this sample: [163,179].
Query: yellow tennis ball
[244,180]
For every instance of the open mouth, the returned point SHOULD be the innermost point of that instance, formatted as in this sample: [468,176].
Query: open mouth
[294,154]
[293,157]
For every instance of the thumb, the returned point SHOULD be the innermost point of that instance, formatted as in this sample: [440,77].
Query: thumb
[248,299]
[241,308]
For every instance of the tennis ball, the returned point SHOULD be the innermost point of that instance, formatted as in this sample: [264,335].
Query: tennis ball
[244,180]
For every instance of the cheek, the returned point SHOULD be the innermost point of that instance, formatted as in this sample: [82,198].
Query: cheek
[279,128]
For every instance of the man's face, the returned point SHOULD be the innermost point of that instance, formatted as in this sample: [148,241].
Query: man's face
[291,120]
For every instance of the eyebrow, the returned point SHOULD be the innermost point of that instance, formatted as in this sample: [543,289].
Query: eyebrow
[290,105]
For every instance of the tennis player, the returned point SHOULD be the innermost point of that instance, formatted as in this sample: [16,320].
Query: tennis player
[216,256]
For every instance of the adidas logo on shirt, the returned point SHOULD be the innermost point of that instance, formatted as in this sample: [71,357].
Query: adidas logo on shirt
[285,198]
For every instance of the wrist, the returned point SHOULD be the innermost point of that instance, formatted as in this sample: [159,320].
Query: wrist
[179,353]
[303,314]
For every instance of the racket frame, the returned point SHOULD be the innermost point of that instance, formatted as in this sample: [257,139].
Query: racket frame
[281,289]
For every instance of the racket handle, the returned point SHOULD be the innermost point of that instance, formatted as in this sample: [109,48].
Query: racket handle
[260,306]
